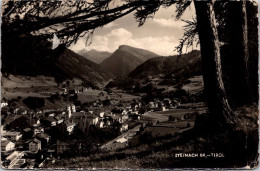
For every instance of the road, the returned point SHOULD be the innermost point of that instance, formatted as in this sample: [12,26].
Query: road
[113,144]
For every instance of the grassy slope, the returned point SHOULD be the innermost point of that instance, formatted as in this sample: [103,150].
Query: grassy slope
[75,65]
[177,65]
[25,86]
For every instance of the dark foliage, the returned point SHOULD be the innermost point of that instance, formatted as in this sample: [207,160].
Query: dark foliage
[34,102]
[125,83]
[35,57]
[178,66]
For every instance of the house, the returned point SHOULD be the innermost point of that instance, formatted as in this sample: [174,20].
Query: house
[35,145]
[38,130]
[117,118]
[39,111]
[68,112]
[101,124]
[44,138]
[15,111]
[101,114]
[124,112]
[65,90]
[13,136]
[162,108]
[35,121]
[59,120]
[51,114]
[152,105]
[98,104]
[67,127]
[108,123]
[3,129]
[134,113]
[49,122]
[176,103]
[134,106]
[121,140]
[62,146]
[73,108]
[22,112]
[3,139]
[92,118]
[167,101]
[14,160]
[124,118]
[3,104]
[124,127]
[7,146]
[84,119]
[172,106]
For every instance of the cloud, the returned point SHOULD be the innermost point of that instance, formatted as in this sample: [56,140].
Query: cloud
[162,45]
[110,25]
[169,23]
[111,41]
[120,33]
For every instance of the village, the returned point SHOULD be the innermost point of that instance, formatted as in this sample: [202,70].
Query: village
[31,138]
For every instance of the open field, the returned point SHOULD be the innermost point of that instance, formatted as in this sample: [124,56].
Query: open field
[23,86]
[92,95]
[24,81]
[164,127]
[163,116]
[158,131]
[196,84]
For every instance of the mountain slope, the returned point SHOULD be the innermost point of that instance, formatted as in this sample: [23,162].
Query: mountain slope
[73,65]
[178,65]
[34,57]
[125,59]
[94,55]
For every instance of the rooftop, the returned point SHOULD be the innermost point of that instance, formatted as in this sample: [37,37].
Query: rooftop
[10,133]
[4,143]
[43,135]
[68,123]
[36,140]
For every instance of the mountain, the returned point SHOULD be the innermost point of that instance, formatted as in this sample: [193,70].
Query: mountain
[73,65]
[125,59]
[94,55]
[34,57]
[178,65]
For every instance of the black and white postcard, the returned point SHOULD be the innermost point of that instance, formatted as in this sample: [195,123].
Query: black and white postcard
[129,84]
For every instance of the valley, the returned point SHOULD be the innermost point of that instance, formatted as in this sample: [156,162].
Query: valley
[122,111]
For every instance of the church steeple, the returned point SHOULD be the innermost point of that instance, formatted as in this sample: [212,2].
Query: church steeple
[68,113]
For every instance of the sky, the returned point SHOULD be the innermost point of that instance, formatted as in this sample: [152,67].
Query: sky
[160,35]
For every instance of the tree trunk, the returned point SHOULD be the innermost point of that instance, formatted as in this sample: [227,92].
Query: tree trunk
[238,55]
[218,106]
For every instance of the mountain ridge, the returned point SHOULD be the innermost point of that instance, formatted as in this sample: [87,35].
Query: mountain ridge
[94,55]
[35,57]
[125,59]
[176,64]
